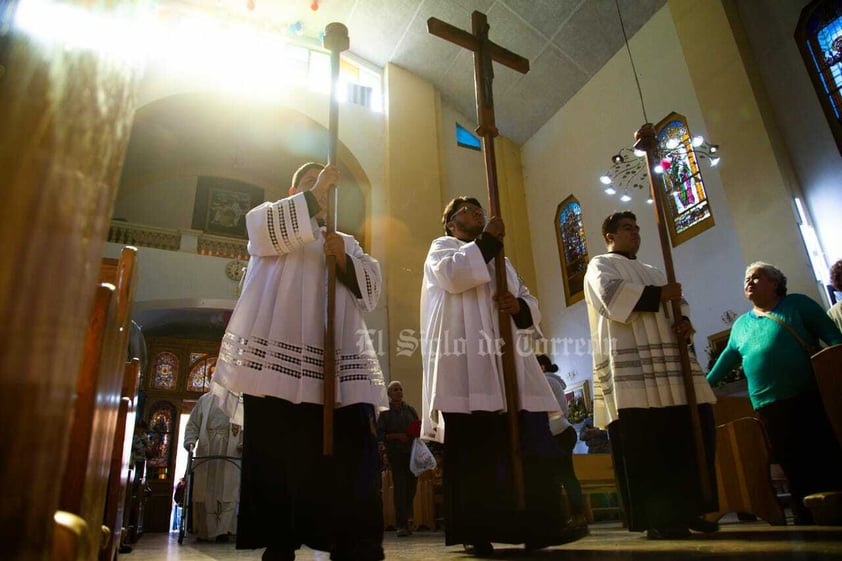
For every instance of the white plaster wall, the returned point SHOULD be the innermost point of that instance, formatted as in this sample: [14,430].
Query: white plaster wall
[178,275]
[167,204]
[805,131]
[567,156]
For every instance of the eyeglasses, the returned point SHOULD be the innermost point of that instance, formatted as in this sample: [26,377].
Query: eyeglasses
[468,208]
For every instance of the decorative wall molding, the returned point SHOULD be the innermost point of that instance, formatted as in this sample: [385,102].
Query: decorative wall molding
[141,235]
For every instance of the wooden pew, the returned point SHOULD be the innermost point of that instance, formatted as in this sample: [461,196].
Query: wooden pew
[742,472]
[828,367]
[595,473]
[100,413]
[743,469]
[94,417]
[122,273]
[118,479]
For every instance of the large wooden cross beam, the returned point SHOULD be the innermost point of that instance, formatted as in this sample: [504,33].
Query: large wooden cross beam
[484,53]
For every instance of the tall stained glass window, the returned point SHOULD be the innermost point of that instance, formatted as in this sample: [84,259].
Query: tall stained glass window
[819,37]
[572,248]
[164,371]
[686,202]
[161,417]
[200,373]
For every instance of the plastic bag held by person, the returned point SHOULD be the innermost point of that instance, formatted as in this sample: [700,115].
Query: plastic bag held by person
[420,459]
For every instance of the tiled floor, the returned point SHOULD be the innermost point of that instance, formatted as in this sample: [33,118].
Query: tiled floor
[743,541]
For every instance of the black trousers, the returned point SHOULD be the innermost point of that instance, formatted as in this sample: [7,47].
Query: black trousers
[566,474]
[291,494]
[804,444]
[404,484]
[655,464]
[480,499]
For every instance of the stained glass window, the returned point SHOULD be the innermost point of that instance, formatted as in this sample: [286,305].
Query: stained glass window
[160,440]
[164,371]
[572,248]
[686,201]
[200,374]
[819,36]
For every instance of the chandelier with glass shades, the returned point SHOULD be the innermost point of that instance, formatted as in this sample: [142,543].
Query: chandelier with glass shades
[628,166]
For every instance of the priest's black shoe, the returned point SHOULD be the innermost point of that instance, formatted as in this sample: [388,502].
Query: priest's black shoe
[483,549]
[278,554]
[668,533]
[699,524]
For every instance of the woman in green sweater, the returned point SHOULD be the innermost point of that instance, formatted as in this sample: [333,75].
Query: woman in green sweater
[781,383]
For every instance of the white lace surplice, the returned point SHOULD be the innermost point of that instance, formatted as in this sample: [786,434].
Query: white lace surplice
[635,354]
[273,345]
[462,371]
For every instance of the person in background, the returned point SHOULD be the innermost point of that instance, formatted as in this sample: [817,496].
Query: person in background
[215,483]
[774,340]
[464,393]
[565,434]
[835,311]
[393,432]
[595,439]
[639,389]
[272,356]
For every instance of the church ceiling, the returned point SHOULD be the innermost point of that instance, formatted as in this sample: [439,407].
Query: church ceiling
[566,42]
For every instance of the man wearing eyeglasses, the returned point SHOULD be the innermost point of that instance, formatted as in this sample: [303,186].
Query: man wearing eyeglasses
[464,390]
[639,388]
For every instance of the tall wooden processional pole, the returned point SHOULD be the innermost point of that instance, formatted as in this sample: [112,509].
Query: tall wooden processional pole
[336,41]
[646,140]
[484,53]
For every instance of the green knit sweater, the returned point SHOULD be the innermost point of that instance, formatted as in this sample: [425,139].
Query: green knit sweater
[775,364]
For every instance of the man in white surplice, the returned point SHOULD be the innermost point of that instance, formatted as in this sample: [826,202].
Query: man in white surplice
[464,397]
[216,483]
[272,355]
[638,387]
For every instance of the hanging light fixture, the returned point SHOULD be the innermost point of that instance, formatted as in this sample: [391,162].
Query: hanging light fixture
[628,166]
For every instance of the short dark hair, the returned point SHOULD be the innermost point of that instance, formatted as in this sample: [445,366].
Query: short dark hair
[452,207]
[296,177]
[612,221]
[836,275]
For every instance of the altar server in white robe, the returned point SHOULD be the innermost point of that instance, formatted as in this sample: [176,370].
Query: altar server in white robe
[639,391]
[464,399]
[272,356]
[216,483]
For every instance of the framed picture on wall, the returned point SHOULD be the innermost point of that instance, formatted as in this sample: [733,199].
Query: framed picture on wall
[578,398]
[221,205]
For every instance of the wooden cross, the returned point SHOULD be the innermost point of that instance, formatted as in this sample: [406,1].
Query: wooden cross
[485,52]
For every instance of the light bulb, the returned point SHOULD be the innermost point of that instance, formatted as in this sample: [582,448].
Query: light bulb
[610,190]
[672,143]
[625,197]
[605,180]
[714,161]
[649,201]
[714,148]
[617,159]
[639,153]
[697,141]
[659,169]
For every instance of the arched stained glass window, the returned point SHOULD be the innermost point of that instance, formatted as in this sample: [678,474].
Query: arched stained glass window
[686,202]
[572,248]
[819,38]
[161,417]
[200,374]
[164,371]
